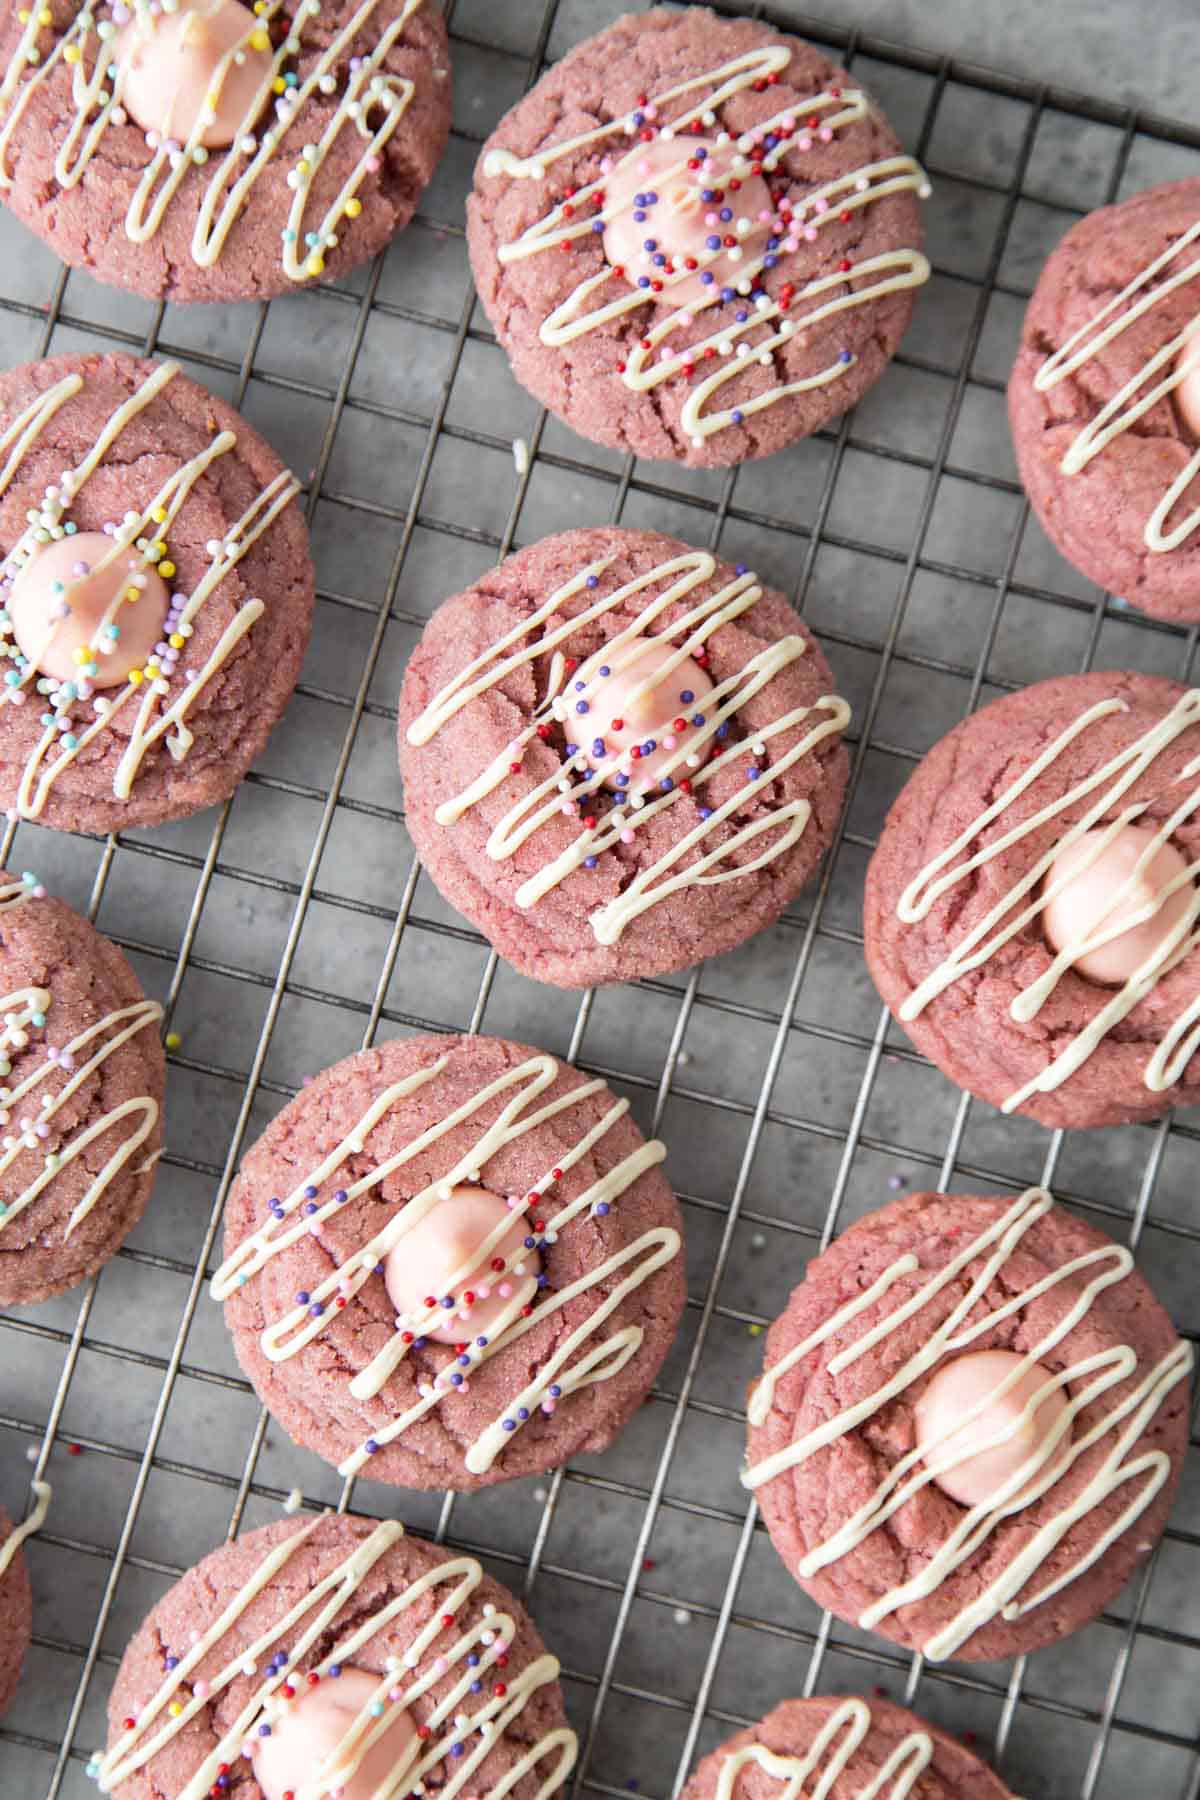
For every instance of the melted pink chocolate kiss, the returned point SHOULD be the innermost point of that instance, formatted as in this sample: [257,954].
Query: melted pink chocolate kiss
[962,1384]
[1187,394]
[311,1728]
[1080,906]
[625,721]
[57,606]
[420,1267]
[657,197]
[170,65]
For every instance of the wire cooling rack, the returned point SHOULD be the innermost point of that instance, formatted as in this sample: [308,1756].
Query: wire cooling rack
[295,926]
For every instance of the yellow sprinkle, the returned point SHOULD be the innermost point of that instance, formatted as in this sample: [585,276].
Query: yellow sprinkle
[175,1708]
[176,641]
[166,569]
[23,15]
[278,85]
[173,1040]
[159,549]
[45,16]
[151,670]
[260,7]
[159,515]
[315,265]
[130,595]
[72,53]
[82,654]
[353,208]
[754,1330]
[260,40]
[302,166]
[135,676]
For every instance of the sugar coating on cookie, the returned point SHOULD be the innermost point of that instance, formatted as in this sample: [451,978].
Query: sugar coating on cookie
[1104,399]
[696,238]
[156,593]
[452,1261]
[834,1745]
[81,1089]
[620,755]
[1032,913]
[332,1637]
[1035,1333]
[207,150]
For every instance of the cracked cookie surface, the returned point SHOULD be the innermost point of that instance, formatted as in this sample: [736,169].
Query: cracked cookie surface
[968,1029]
[309,1391]
[84,220]
[98,1104]
[699,911]
[606,79]
[192,1607]
[1097,515]
[1035,1303]
[791,1730]
[233,708]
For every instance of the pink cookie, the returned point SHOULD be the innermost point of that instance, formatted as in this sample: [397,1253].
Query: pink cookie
[206,153]
[1032,914]
[854,1741]
[400,1328]
[850,1431]
[697,238]
[157,593]
[16,1610]
[239,1667]
[620,755]
[81,1089]
[1111,321]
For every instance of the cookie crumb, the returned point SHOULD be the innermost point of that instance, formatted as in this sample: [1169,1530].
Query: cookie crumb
[294,1501]
[682,1616]
[520,455]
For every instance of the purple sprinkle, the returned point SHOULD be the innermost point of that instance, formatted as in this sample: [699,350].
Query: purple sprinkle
[303,1297]
[370,1447]
[555,1391]
[737,415]
[509,1424]
[602,1207]
[686,696]
[341,1196]
[310,1193]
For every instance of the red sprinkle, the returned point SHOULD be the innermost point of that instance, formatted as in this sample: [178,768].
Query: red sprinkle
[74,1449]
[845,264]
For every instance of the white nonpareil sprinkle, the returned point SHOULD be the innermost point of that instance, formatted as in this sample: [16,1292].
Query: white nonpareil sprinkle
[294,1501]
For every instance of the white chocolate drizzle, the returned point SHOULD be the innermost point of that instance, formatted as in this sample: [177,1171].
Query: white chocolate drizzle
[974,1269]
[1158,376]
[43,1494]
[28,1111]
[650,362]
[154,712]
[1102,798]
[575,1361]
[371,103]
[544,634]
[846,1728]
[458,1718]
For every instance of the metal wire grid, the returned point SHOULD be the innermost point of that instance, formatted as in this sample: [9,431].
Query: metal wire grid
[647,1692]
